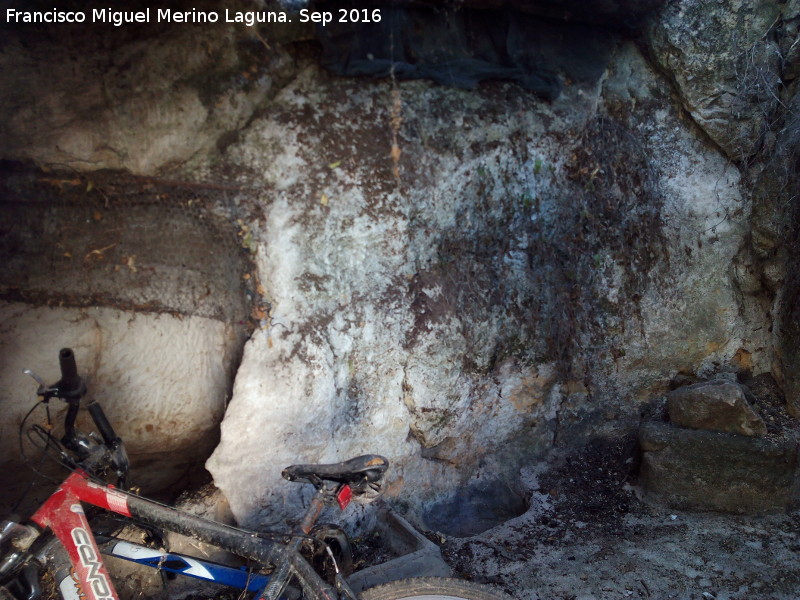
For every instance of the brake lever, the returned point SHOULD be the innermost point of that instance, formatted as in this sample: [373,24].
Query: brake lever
[36,378]
[43,390]
[85,446]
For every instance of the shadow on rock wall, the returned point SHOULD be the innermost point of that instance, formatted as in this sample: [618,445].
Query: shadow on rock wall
[145,280]
[461,277]
[776,247]
[464,47]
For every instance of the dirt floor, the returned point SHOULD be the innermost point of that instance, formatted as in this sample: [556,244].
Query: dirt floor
[588,536]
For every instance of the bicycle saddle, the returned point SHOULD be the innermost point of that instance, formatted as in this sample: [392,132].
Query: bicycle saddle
[368,468]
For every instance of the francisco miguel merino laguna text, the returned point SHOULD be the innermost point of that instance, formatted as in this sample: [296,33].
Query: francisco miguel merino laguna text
[162,15]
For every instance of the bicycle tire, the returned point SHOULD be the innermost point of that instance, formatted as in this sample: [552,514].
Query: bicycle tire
[432,588]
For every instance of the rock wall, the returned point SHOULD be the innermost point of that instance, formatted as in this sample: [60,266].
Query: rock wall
[734,65]
[161,381]
[535,272]
[464,279]
[139,100]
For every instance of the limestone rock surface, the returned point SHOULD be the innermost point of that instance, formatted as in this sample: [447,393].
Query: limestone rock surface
[161,380]
[714,406]
[459,279]
[141,104]
[422,306]
[705,470]
[726,64]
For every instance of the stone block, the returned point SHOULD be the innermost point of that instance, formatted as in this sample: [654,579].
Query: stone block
[716,406]
[709,470]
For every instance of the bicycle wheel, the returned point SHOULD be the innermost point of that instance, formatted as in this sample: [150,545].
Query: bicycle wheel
[433,588]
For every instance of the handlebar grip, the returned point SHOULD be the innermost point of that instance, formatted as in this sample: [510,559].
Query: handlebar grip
[103,426]
[71,385]
[69,370]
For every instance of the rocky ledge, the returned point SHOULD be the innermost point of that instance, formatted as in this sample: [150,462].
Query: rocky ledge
[714,451]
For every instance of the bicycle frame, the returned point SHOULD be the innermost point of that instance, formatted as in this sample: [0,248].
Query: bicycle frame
[62,518]
[64,515]
[189,566]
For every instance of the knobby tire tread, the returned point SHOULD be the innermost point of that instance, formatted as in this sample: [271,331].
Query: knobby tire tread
[433,586]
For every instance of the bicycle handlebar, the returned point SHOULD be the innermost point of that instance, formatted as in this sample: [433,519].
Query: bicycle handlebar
[71,386]
[103,426]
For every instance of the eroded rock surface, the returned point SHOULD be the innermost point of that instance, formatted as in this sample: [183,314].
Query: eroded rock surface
[130,102]
[460,279]
[714,406]
[727,63]
[145,283]
[696,469]
[161,380]
[435,316]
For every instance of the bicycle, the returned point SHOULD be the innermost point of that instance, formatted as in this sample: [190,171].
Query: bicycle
[59,537]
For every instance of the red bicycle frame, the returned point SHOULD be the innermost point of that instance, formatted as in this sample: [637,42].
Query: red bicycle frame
[63,514]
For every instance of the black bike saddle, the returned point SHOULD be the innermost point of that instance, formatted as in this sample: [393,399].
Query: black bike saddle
[368,468]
